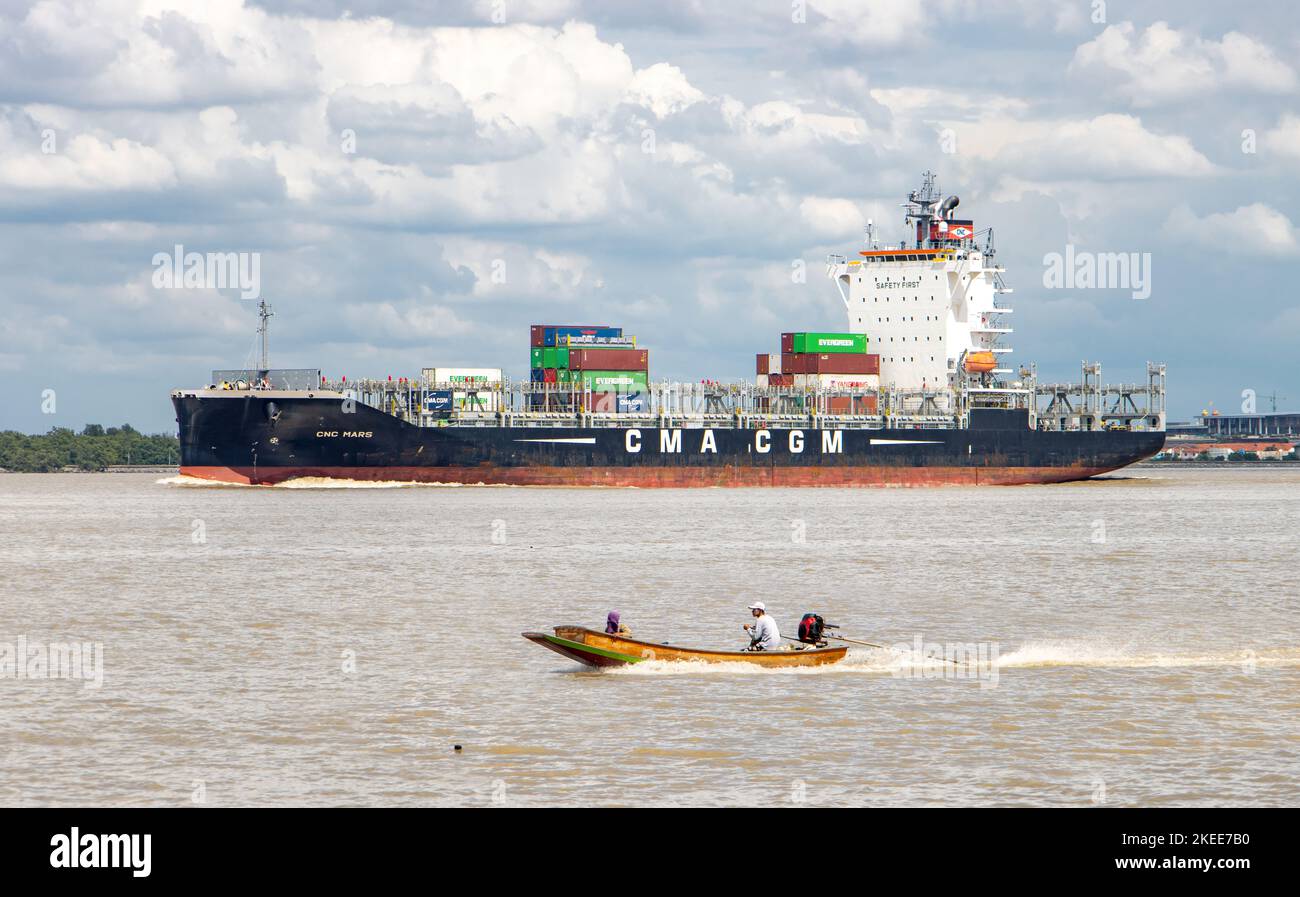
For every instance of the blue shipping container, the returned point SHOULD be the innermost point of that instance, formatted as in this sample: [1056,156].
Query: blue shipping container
[632,401]
[439,400]
[550,333]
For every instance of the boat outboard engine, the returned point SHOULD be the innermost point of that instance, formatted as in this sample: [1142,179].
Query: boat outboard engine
[811,627]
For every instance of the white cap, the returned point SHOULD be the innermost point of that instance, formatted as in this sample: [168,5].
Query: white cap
[758,605]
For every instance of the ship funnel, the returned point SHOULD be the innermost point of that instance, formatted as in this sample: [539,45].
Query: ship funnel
[948,205]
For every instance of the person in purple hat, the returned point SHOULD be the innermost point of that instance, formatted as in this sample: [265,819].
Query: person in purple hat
[614,627]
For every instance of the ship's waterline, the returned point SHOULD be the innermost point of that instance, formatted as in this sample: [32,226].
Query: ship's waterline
[325,642]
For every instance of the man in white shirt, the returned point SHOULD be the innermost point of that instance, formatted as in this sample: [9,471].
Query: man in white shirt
[763,634]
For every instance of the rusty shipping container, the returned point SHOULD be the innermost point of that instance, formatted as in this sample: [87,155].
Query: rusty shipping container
[609,359]
[840,363]
[851,405]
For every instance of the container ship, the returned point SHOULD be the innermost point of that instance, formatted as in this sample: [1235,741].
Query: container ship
[914,391]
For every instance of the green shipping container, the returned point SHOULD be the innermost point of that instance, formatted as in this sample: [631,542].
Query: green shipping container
[554,357]
[612,381]
[825,343]
[539,357]
[564,375]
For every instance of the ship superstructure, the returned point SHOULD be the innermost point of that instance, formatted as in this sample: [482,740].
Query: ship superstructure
[931,304]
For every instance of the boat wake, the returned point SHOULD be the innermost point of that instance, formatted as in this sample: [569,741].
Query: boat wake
[1029,655]
[322,483]
[1082,653]
[191,482]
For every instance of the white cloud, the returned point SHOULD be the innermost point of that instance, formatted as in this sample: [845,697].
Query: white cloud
[88,162]
[893,23]
[1107,147]
[1285,138]
[831,217]
[514,271]
[1256,229]
[663,89]
[1163,63]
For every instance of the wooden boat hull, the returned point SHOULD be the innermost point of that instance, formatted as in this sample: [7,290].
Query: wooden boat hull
[598,649]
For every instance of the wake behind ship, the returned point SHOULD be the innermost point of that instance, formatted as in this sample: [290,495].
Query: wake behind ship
[913,392]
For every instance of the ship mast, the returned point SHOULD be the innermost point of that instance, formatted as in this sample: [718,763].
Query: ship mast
[264,314]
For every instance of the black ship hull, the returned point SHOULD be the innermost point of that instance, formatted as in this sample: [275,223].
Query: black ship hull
[265,438]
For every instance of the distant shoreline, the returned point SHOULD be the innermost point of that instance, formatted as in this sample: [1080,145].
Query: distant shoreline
[1276,462]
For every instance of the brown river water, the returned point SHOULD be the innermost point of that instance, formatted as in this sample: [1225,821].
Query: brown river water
[330,644]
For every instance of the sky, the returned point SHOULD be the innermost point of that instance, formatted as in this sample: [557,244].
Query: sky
[419,182]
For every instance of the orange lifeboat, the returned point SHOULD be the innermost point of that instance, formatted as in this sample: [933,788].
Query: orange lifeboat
[980,362]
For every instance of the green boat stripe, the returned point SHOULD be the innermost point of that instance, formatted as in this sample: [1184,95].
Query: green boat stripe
[626,658]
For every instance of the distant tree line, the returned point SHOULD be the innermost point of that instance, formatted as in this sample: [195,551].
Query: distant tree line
[94,448]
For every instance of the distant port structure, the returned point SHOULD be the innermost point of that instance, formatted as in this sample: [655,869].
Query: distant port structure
[1218,426]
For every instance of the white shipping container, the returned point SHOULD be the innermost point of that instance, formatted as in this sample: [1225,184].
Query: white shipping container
[846,382]
[774,363]
[761,381]
[461,376]
[476,401]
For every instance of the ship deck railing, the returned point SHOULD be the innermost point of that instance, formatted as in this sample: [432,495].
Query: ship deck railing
[747,405]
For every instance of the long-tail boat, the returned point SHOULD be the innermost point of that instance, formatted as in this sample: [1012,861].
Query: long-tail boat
[599,649]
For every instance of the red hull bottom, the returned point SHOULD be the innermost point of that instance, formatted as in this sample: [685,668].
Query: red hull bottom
[663,477]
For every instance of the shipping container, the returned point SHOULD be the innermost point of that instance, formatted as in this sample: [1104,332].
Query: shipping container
[612,381]
[769,363]
[839,363]
[546,334]
[555,357]
[550,375]
[787,344]
[597,342]
[476,401]
[618,402]
[632,402]
[437,401]
[461,376]
[792,363]
[827,342]
[537,357]
[780,380]
[761,380]
[851,404]
[847,382]
[609,359]
[552,335]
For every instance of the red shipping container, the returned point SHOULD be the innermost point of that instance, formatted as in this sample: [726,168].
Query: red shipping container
[791,363]
[603,402]
[851,405]
[787,344]
[839,363]
[549,376]
[780,379]
[762,365]
[609,360]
